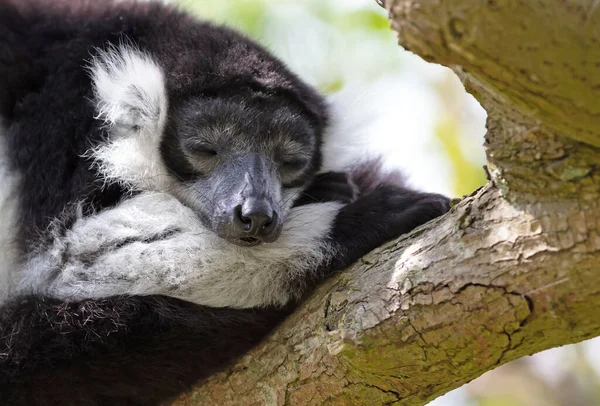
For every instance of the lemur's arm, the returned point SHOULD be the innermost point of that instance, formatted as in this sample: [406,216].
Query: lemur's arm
[153,245]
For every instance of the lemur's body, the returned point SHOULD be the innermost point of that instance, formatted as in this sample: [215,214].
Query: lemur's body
[162,208]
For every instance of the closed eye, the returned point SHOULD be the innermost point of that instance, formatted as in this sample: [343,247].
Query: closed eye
[294,164]
[205,151]
[201,149]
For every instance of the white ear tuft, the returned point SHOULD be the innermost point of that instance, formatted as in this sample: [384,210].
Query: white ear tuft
[131,97]
[129,88]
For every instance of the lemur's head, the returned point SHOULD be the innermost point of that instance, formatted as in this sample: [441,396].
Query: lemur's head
[240,158]
[239,135]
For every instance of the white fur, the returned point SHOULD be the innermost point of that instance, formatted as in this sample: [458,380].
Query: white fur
[130,94]
[152,244]
[9,204]
[350,129]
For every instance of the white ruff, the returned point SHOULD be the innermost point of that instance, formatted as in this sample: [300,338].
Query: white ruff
[152,244]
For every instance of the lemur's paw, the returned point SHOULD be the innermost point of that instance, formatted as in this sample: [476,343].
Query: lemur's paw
[434,205]
[329,187]
[382,215]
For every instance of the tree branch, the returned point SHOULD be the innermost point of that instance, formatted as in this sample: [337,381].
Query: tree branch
[510,271]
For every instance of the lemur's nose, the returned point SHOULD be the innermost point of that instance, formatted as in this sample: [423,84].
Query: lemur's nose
[255,218]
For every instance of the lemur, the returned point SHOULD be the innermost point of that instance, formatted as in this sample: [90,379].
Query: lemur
[163,203]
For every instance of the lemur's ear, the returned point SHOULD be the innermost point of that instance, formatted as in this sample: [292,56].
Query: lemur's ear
[131,97]
[129,89]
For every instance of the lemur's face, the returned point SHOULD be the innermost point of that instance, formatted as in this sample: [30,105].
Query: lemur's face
[240,161]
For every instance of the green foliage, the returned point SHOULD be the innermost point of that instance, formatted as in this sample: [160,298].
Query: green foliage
[244,15]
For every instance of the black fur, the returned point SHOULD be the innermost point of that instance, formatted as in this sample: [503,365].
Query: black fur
[411,209]
[385,208]
[118,351]
[329,187]
[144,350]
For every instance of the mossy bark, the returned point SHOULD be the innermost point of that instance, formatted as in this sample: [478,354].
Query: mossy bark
[512,270]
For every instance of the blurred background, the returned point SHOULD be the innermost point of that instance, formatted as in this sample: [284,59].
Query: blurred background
[419,117]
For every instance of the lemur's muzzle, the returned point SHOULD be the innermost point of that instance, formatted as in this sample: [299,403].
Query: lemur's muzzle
[256,218]
[253,214]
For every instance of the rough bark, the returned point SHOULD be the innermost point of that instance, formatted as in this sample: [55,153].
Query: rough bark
[512,270]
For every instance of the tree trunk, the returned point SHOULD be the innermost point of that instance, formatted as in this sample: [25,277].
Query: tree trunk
[512,270]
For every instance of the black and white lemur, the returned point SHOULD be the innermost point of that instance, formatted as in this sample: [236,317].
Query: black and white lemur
[162,199]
